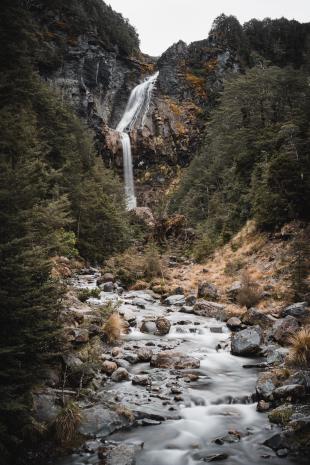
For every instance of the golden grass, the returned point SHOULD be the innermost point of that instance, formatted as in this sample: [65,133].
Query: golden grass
[299,354]
[114,327]
[249,294]
[67,423]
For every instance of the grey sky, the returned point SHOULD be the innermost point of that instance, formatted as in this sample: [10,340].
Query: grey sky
[160,23]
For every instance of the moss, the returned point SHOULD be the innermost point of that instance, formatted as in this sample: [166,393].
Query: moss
[281,415]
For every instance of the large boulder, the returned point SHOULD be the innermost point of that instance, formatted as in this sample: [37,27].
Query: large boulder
[174,360]
[210,309]
[284,328]
[148,326]
[121,374]
[234,323]
[108,367]
[255,317]
[144,354]
[175,300]
[266,383]
[247,341]
[163,326]
[105,278]
[128,315]
[290,392]
[234,290]
[119,454]
[101,421]
[207,290]
[299,310]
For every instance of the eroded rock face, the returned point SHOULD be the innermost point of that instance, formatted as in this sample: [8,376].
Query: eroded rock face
[247,341]
[176,360]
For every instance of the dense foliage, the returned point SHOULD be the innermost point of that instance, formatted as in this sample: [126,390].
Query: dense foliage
[255,159]
[56,197]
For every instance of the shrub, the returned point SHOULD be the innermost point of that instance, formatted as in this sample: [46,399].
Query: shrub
[249,294]
[299,354]
[114,327]
[85,294]
[152,263]
[67,423]
[203,248]
[233,266]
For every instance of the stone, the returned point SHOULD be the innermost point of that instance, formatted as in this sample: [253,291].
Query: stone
[105,278]
[207,290]
[289,391]
[141,380]
[108,367]
[120,454]
[148,326]
[163,326]
[175,300]
[138,302]
[205,456]
[178,291]
[301,377]
[45,406]
[281,415]
[262,406]
[98,420]
[121,374]
[266,383]
[128,315]
[144,354]
[233,291]
[117,352]
[247,342]
[190,300]
[276,355]
[174,360]
[299,310]
[234,323]
[282,452]
[72,361]
[210,309]
[255,317]
[186,309]
[108,287]
[131,357]
[81,335]
[285,328]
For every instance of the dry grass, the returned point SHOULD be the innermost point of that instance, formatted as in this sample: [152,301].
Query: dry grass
[249,294]
[114,327]
[67,423]
[125,412]
[299,354]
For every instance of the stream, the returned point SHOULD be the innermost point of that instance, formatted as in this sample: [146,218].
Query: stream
[203,414]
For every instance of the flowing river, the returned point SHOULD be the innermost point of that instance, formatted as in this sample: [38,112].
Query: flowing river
[203,414]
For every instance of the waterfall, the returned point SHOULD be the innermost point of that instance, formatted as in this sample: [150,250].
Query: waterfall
[134,116]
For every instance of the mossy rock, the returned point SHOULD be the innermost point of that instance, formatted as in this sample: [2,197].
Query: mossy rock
[281,415]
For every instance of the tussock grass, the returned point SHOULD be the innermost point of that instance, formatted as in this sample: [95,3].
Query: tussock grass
[67,423]
[114,327]
[299,354]
[249,294]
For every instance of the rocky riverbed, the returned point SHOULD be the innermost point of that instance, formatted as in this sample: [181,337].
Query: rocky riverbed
[188,384]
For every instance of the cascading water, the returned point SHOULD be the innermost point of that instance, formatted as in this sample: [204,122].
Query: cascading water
[134,116]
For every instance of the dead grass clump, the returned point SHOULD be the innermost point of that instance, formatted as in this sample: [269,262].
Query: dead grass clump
[249,294]
[233,266]
[152,263]
[299,354]
[125,412]
[67,423]
[114,327]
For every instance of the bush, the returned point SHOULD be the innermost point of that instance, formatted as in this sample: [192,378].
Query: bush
[249,295]
[203,248]
[152,263]
[299,354]
[67,423]
[114,327]
[85,294]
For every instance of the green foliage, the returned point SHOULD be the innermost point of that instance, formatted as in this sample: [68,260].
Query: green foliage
[85,294]
[255,159]
[67,239]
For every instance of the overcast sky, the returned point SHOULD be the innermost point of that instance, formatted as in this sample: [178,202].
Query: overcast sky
[160,23]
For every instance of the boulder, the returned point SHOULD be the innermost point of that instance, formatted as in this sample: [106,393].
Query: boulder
[234,323]
[290,391]
[233,291]
[144,354]
[119,454]
[175,300]
[128,315]
[45,406]
[301,377]
[108,287]
[262,406]
[141,380]
[210,309]
[186,309]
[174,360]
[178,291]
[299,310]
[190,300]
[207,290]
[285,328]
[266,383]
[105,278]
[108,367]
[72,361]
[247,341]
[148,326]
[98,420]
[276,355]
[163,326]
[254,317]
[131,357]
[121,374]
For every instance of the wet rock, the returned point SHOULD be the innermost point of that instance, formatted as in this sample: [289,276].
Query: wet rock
[233,291]
[234,323]
[247,341]
[281,415]
[163,326]
[121,454]
[178,291]
[205,456]
[100,420]
[262,406]
[148,326]
[210,309]
[290,391]
[107,287]
[266,383]
[90,447]
[176,360]
[207,290]
[276,355]
[117,352]
[175,300]
[109,367]
[144,354]
[216,329]
[282,452]
[121,374]
[148,422]
[141,380]
[123,363]
[255,317]
[301,377]
[140,303]
[186,309]
[128,315]
[299,310]
[190,300]
[285,328]
[131,357]
[106,278]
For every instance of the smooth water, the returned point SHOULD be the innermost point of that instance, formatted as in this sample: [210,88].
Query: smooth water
[134,116]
